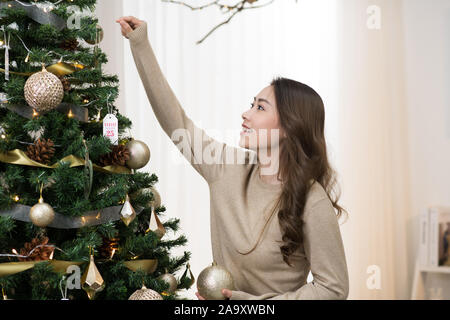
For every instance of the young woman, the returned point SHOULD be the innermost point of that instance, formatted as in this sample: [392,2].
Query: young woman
[268,254]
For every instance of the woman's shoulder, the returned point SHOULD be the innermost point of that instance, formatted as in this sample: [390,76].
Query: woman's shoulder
[316,195]
[319,209]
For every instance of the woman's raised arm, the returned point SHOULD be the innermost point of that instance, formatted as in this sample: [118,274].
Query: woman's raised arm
[204,153]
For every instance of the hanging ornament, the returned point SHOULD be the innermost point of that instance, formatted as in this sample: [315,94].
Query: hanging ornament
[66,84]
[41,214]
[155,225]
[37,250]
[111,128]
[155,203]
[127,213]
[69,44]
[98,36]
[88,171]
[170,280]
[63,292]
[41,151]
[145,294]
[139,154]
[212,280]
[118,156]
[43,91]
[92,281]
[36,134]
[187,280]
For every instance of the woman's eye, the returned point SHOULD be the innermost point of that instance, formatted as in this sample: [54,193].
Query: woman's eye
[259,106]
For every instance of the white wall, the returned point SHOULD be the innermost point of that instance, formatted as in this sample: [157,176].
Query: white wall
[427,67]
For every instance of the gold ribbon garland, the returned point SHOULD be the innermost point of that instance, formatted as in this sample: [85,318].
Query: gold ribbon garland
[18,73]
[10,268]
[60,266]
[146,265]
[62,68]
[59,69]
[19,157]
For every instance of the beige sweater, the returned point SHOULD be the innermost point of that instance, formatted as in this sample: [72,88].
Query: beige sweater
[241,203]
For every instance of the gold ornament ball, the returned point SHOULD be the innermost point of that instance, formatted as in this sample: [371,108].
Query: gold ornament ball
[212,280]
[171,281]
[145,294]
[139,154]
[93,41]
[41,214]
[43,91]
[155,203]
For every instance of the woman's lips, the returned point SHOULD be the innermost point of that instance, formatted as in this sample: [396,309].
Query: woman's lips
[246,131]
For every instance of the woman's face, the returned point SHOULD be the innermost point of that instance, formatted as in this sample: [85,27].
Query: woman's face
[263,122]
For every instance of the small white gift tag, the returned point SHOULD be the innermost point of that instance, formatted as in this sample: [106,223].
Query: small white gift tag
[111,128]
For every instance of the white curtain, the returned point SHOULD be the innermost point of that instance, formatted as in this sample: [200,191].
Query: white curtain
[373,150]
[325,44]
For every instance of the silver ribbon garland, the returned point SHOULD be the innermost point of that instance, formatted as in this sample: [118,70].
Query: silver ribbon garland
[91,218]
[37,14]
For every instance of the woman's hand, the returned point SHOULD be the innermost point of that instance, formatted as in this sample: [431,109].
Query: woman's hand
[227,294]
[128,24]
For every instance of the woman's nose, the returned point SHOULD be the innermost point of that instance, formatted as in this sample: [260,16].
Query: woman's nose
[245,115]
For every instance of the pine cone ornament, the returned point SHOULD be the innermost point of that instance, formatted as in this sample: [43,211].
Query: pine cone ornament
[66,84]
[69,44]
[38,254]
[41,151]
[118,156]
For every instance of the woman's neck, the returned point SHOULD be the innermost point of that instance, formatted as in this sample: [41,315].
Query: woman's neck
[268,162]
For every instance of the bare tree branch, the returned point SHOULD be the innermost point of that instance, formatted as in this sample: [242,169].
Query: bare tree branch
[231,9]
[191,7]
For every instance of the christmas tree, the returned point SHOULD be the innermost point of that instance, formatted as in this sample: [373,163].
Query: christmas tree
[74,211]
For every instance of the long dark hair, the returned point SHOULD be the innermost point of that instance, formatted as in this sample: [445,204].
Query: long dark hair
[303,157]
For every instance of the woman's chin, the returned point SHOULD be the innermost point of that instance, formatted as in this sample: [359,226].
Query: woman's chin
[246,146]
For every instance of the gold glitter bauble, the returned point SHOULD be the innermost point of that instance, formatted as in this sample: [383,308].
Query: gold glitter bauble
[42,214]
[145,294]
[171,281]
[139,154]
[96,40]
[43,91]
[212,280]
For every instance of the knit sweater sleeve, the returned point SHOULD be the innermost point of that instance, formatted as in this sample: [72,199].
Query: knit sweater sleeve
[204,153]
[325,253]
